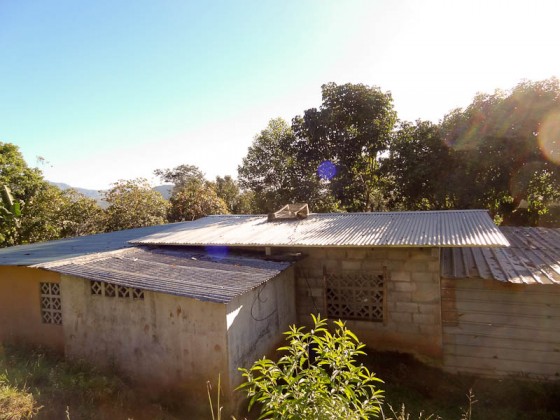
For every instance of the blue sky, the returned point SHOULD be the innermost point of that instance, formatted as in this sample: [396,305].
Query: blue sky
[108,90]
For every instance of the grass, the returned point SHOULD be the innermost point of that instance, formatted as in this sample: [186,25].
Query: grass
[16,403]
[40,385]
[37,384]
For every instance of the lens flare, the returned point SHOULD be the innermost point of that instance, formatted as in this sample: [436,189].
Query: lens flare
[217,252]
[326,170]
[549,137]
[467,135]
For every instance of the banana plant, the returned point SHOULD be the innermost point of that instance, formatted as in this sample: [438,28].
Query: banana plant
[10,208]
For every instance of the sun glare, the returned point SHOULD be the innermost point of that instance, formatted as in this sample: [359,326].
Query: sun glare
[549,137]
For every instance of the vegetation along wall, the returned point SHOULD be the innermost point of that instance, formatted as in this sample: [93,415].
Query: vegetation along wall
[30,308]
[390,297]
[496,329]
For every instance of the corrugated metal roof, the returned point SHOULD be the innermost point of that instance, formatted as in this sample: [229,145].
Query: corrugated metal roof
[453,228]
[532,258]
[43,252]
[187,273]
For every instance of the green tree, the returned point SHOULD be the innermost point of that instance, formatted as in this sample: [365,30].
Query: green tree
[272,173]
[10,211]
[192,196]
[80,215]
[418,166]
[44,208]
[181,175]
[350,130]
[317,378]
[237,200]
[45,211]
[133,203]
[246,203]
[23,181]
[542,192]
[195,200]
[499,142]
[41,220]
[228,190]
[54,214]
[268,168]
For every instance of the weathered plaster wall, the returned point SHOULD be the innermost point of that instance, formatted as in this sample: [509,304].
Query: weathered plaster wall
[164,341]
[498,329]
[256,321]
[412,313]
[20,308]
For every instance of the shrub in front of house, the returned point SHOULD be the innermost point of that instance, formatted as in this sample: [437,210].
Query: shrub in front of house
[317,377]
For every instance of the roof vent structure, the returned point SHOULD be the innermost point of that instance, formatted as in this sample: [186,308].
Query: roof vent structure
[291,212]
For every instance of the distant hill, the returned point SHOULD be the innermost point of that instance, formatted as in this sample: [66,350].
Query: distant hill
[164,190]
[97,195]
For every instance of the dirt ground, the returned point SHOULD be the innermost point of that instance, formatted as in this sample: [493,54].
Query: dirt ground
[75,392]
[426,389]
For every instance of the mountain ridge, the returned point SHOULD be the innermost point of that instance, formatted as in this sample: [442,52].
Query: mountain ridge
[97,195]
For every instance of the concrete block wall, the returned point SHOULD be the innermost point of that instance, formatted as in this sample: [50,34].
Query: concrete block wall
[20,309]
[412,307]
[168,343]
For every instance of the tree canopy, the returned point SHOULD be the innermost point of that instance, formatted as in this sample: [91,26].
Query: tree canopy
[500,153]
[132,204]
[192,196]
[328,157]
[417,162]
[269,169]
[24,183]
[501,143]
[342,140]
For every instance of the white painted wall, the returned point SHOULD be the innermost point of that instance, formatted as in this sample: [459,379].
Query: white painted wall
[256,321]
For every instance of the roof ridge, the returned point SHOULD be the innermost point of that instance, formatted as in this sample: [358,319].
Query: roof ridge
[103,255]
[357,213]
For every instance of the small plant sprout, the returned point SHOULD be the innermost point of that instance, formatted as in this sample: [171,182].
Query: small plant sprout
[218,414]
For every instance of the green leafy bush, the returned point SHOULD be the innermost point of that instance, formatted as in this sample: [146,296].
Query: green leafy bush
[317,377]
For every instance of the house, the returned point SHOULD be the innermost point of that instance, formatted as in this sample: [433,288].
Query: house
[176,305]
[170,318]
[21,318]
[175,318]
[378,271]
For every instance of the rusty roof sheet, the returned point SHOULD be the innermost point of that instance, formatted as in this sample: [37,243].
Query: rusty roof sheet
[532,258]
[452,228]
[43,252]
[189,273]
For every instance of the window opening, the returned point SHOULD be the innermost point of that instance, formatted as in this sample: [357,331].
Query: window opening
[354,295]
[124,292]
[109,290]
[51,304]
[100,288]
